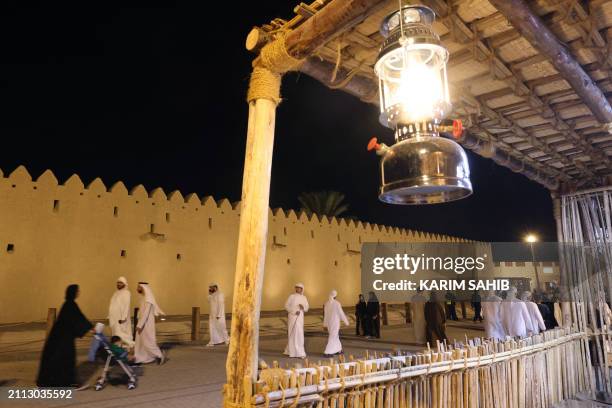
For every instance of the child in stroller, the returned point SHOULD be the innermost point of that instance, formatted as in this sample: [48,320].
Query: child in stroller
[117,354]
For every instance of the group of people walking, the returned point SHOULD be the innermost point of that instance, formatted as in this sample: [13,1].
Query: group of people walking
[512,316]
[509,317]
[296,307]
[367,317]
[58,362]
[145,345]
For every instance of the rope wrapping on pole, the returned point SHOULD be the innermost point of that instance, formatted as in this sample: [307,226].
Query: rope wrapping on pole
[268,68]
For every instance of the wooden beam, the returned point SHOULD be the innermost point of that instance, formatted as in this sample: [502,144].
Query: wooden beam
[535,31]
[505,159]
[359,86]
[501,39]
[332,20]
[526,62]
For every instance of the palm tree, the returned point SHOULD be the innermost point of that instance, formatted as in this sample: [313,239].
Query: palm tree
[328,203]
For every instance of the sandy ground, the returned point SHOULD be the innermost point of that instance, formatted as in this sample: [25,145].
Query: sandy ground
[194,375]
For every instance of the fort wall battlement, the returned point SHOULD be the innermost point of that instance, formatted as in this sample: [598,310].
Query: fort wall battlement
[54,234]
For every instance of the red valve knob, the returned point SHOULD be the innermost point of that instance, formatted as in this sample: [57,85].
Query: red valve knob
[373,144]
[457,128]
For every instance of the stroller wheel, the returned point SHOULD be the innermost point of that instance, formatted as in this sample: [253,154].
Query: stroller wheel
[131,385]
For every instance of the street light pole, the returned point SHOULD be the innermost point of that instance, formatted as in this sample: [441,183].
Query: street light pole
[531,239]
[535,268]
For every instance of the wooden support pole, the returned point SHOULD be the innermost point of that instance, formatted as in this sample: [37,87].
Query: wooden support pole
[565,304]
[51,313]
[544,40]
[276,58]
[383,309]
[242,357]
[195,323]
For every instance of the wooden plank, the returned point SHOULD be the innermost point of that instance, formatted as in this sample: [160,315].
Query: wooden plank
[333,19]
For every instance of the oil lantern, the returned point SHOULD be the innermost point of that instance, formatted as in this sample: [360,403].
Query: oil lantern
[421,167]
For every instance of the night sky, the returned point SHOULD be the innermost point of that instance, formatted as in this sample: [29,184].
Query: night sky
[157,96]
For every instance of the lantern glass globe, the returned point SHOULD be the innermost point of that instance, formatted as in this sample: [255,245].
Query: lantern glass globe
[411,68]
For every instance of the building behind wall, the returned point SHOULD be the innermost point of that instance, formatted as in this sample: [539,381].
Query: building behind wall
[523,274]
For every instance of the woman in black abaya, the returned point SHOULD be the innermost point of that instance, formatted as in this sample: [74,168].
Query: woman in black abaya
[58,362]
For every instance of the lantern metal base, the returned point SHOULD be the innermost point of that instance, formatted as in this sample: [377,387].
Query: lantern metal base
[425,190]
[425,169]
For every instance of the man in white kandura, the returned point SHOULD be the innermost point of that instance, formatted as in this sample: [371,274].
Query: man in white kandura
[146,349]
[491,312]
[333,316]
[216,317]
[119,313]
[515,316]
[417,303]
[537,322]
[296,306]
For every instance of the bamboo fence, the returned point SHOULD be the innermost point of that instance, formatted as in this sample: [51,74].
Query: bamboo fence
[538,371]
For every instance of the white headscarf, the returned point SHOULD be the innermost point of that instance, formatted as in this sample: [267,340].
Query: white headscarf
[333,294]
[149,297]
[122,280]
[299,285]
[511,292]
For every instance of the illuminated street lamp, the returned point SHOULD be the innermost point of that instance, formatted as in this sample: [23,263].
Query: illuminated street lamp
[532,239]
[421,167]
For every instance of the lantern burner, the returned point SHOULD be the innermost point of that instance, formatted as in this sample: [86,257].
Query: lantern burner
[425,128]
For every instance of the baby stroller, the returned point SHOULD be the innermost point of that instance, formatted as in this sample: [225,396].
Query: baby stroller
[132,379]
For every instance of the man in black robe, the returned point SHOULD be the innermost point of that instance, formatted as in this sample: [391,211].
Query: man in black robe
[451,303]
[477,305]
[435,319]
[58,362]
[373,316]
[547,313]
[360,316]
